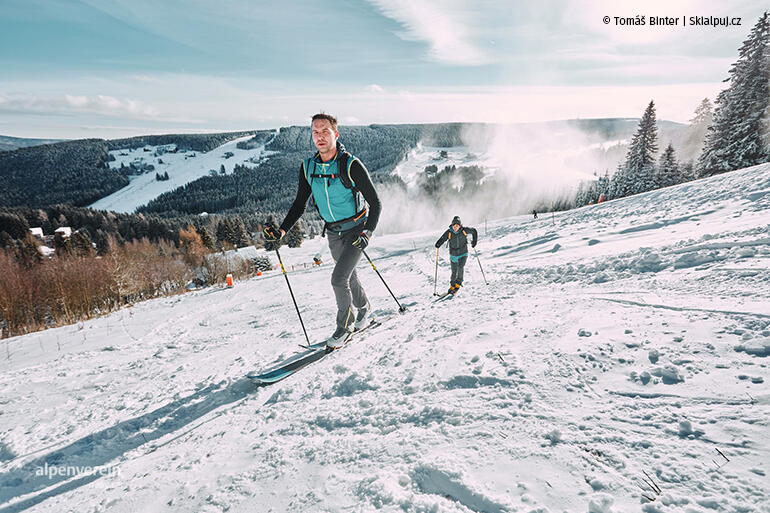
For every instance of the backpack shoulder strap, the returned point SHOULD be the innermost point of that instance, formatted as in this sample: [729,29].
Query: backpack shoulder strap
[306,168]
[344,161]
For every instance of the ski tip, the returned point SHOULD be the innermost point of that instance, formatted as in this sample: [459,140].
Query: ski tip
[255,380]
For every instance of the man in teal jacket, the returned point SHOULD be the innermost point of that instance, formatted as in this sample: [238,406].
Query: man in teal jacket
[346,200]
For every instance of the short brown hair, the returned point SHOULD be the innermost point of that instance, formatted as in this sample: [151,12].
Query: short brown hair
[328,117]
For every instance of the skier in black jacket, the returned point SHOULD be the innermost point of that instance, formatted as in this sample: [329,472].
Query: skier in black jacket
[457,234]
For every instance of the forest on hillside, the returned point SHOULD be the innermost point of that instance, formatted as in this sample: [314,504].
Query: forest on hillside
[77,172]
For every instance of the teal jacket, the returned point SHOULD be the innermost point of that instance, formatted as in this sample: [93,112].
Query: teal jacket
[335,202]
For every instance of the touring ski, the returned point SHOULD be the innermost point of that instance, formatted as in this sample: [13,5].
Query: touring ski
[312,353]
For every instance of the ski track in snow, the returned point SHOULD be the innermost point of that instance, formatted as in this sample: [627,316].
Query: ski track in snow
[616,343]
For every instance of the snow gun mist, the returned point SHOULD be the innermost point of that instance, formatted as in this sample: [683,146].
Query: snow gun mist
[494,171]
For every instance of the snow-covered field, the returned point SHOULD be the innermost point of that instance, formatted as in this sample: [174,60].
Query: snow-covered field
[182,167]
[616,345]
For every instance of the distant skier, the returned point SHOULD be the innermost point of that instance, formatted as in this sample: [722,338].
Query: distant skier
[317,259]
[345,198]
[457,235]
[534,213]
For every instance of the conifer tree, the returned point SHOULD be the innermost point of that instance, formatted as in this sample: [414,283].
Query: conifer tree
[619,184]
[205,236]
[239,237]
[27,253]
[604,185]
[80,243]
[668,169]
[687,171]
[739,136]
[640,160]
[695,133]
[295,234]
[224,232]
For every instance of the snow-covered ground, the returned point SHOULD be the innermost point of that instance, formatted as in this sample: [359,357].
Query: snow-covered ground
[182,167]
[615,344]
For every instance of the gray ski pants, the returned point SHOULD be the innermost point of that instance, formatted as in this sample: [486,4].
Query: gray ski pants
[457,270]
[347,289]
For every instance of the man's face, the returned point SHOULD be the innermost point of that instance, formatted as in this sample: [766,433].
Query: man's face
[324,137]
[455,227]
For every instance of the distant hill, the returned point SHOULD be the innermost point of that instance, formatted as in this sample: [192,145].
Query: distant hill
[13,143]
[77,172]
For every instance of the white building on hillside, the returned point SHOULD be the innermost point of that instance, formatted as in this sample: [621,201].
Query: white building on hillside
[37,232]
[65,231]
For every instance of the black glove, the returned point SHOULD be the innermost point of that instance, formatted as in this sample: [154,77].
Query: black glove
[438,244]
[271,233]
[363,240]
[473,244]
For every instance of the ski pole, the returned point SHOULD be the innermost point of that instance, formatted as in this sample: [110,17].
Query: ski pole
[400,308]
[482,269]
[435,277]
[292,293]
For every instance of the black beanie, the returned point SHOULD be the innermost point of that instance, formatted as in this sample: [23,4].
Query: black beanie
[456,220]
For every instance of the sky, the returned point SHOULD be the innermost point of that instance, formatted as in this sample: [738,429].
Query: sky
[115,68]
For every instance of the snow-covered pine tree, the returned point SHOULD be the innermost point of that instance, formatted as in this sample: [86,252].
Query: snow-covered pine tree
[239,238]
[80,243]
[580,195]
[619,184]
[739,136]
[640,160]
[260,263]
[225,233]
[668,169]
[593,191]
[696,131]
[704,114]
[687,171]
[205,236]
[295,235]
[604,185]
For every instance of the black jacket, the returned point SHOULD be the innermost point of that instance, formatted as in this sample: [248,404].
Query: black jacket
[458,242]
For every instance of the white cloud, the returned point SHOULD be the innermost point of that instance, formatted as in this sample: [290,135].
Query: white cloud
[148,79]
[445,26]
[102,105]
[374,88]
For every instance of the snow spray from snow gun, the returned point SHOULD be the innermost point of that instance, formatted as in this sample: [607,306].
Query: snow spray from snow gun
[400,307]
[292,293]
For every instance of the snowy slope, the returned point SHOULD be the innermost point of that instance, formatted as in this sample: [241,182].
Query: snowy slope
[182,167]
[619,339]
